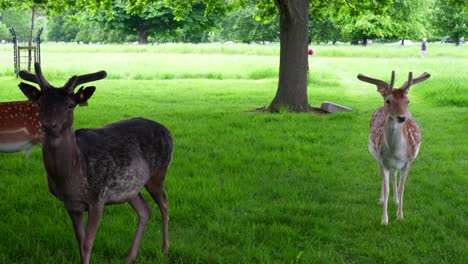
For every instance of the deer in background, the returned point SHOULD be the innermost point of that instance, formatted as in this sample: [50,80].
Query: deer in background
[90,168]
[20,127]
[394,138]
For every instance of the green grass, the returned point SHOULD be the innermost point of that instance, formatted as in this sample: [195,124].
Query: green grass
[256,188]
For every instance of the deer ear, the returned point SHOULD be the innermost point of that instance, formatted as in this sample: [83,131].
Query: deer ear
[82,96]
[31,92]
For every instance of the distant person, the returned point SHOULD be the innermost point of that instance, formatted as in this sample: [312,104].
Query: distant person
[309,52]
[423,47]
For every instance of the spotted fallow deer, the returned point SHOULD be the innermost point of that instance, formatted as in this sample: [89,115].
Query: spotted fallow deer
[20,126]
[90,168]
[394,138]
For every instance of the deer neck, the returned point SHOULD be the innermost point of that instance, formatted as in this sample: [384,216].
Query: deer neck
[62,163]
[394,142]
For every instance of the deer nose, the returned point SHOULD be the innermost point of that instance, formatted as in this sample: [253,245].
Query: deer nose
[401,118]
[49,126]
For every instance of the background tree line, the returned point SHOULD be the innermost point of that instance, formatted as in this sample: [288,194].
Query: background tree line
[156,22]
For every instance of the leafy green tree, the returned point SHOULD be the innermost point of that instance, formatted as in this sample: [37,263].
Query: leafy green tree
[324,29]
[366,26]
[404,19]
[154,18]
[451,18]
[156,21]
[194,26]
[83,27]
[4,4]
[241,25]
[18,20]
[408,18]
[4,33]
[61,29]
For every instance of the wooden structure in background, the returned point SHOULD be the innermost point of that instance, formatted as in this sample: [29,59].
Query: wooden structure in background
[25,56]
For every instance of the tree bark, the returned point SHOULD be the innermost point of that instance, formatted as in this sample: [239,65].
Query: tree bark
[31,30]
[292,85]
[143,37]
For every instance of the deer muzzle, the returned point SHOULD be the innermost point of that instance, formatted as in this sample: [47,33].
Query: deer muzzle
[401,118]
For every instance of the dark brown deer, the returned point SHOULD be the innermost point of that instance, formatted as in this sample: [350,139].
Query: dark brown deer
[394,138]
[20,126]
[90,168]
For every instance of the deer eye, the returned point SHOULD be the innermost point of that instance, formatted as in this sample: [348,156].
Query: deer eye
[71,106]
[387,101]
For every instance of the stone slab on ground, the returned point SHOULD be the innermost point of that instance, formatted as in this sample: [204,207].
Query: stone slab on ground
[334,108]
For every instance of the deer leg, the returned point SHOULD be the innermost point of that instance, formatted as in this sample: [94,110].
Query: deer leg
[155,188]
[401,189]
[94,216]
[27,154]
[381,198]
[143,210]
[77,221]
[385,188]
[395,188]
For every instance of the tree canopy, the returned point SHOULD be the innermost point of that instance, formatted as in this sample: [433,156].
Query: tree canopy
[238,20]
[451,18]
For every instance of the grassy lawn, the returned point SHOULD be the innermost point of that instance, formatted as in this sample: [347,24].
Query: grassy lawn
[256,188]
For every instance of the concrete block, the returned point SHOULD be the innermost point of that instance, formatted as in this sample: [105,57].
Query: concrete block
[334,108]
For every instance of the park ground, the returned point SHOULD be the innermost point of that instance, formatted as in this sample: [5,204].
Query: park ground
[246,187]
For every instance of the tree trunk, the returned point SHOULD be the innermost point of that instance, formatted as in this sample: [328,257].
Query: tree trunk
[143,37]
[292,85]
[31,30]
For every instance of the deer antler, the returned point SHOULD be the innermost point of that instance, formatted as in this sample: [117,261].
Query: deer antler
[75,81]
[27,76]
[424,76]
[37,78]
[379,83]
[69,86]
[392,81]
[408,83]
[43,83]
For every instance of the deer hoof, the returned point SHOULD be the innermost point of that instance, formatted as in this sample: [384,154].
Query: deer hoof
[165,249]
[384,220]
[129,259]
[400,216]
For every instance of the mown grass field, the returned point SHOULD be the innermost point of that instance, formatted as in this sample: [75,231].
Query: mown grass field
[246,187]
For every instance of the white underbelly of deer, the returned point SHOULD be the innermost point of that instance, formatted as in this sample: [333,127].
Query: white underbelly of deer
[15,147]
[15,140]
